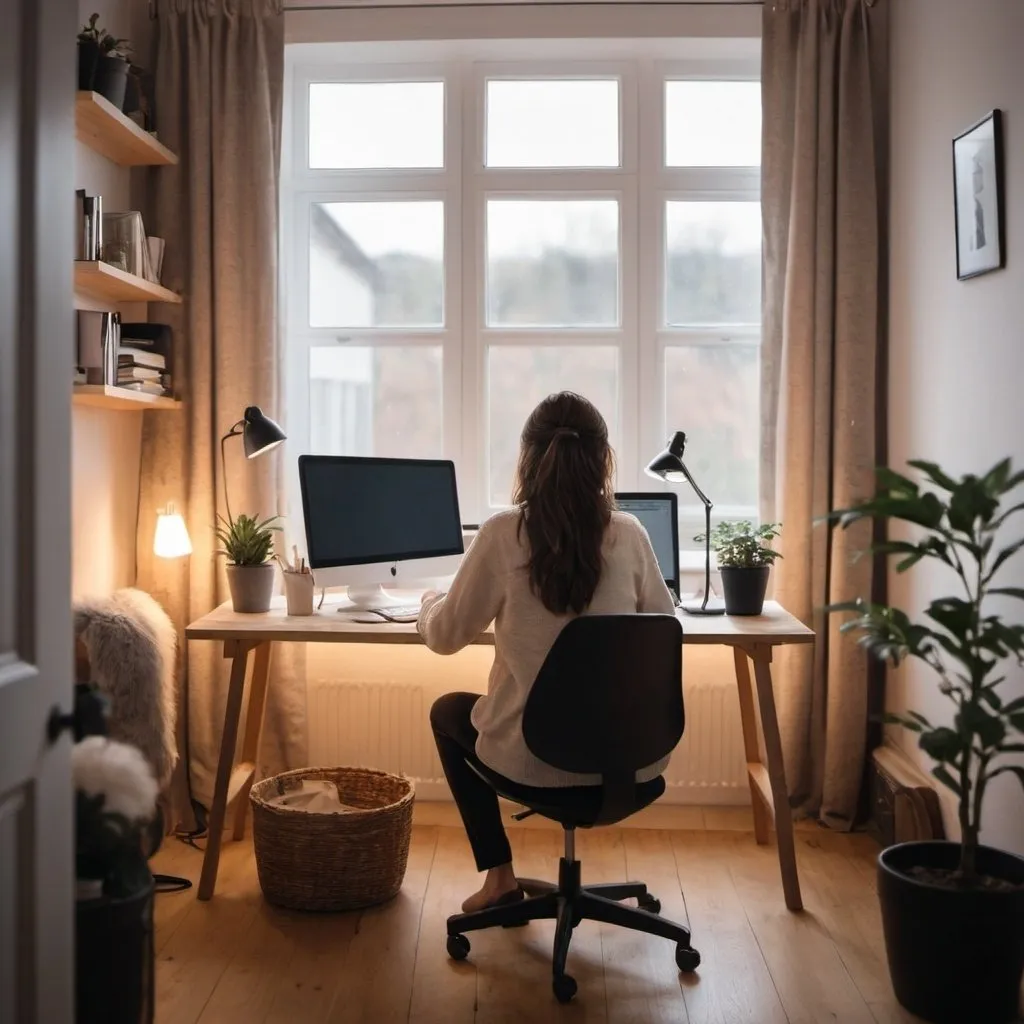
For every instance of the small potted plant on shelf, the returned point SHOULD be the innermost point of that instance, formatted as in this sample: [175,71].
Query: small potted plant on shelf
[249,547]
[953,913]
[115,803]
[744,561]
[103,62]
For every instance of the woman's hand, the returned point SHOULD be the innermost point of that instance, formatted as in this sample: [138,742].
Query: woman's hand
[427,595]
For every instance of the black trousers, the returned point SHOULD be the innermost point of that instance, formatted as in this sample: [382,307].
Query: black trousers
[475,798]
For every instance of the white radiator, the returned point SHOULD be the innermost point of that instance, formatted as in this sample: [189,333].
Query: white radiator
[385,725]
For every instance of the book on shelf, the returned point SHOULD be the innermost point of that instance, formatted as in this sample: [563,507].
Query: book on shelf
[129,355]
[126,374]
[146,387]
[147,344]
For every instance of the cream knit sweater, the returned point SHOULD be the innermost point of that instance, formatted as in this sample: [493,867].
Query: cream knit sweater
[492,585]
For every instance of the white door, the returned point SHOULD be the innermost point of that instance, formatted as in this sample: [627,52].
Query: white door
[37,81]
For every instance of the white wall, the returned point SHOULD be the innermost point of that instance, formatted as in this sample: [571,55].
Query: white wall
[957,348]
[105,445]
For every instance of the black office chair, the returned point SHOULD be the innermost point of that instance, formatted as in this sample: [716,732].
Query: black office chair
[608,701]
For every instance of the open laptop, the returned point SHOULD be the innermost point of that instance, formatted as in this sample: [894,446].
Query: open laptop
[659,513]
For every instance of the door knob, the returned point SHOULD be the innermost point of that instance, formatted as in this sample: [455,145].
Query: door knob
[58,722]
[88,717]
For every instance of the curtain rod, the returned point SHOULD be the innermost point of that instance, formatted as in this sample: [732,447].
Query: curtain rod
[397,5]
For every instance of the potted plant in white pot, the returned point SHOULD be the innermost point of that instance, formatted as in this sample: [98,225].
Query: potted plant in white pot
[249,547]
[953,913]
[744,558]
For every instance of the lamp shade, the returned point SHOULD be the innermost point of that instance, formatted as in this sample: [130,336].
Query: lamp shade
[668,464]
[171,539]
[259,433]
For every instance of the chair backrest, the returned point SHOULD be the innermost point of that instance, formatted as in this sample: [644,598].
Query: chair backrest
[608,699]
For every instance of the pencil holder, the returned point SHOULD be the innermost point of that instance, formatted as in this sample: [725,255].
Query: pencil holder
[298,592]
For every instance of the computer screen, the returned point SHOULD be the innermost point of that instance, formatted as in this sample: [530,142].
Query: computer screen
[362,510]
[658,514]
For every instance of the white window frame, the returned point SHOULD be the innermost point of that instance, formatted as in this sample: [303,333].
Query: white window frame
[642,184]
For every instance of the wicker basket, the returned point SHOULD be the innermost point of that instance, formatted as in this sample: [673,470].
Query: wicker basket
[311,861]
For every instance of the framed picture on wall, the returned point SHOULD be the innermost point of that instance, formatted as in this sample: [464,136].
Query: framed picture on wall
[978,197]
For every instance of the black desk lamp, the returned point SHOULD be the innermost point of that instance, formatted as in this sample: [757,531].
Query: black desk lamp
[259,434]
[669,466]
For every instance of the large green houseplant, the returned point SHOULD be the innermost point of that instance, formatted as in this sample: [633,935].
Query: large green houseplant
[249,547]
[954,912]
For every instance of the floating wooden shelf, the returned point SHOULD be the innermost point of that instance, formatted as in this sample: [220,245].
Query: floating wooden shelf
[100,396]
[102,281]
[102,127]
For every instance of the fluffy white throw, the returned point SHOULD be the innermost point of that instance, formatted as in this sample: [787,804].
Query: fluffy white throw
[131,644]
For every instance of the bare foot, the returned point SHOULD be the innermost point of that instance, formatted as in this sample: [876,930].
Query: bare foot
[500,881]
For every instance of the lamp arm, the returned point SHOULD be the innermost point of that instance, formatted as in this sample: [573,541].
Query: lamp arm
[707,532]
[705,500]
[233,432]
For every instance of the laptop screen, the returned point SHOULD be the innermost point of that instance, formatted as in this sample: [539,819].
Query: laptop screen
[658,514]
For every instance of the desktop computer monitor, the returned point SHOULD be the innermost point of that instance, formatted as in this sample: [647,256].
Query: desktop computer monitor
[371,522]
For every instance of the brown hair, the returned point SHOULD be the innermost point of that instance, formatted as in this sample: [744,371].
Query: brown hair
[564,489]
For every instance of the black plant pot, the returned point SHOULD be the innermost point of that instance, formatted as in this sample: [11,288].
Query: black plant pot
[88,61]
[955,956]
[112,79]
[114,959]
[744,589]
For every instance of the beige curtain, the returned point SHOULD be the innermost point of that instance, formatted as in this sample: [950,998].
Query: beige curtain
[824,75]
[219,73]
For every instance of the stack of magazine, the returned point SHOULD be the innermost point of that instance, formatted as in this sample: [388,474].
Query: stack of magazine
[142,359]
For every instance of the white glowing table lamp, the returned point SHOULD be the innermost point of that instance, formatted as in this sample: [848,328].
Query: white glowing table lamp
[171,539]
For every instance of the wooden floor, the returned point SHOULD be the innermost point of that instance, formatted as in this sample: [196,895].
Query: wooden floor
[237,959]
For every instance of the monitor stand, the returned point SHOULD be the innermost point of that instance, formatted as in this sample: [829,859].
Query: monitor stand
[369,598]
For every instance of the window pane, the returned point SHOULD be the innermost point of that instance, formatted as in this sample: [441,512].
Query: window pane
[376,124]
[518,377]
[552,263]
[554,123]
[713,263]
[713,124]
[376,264]
[381,400]
[713,393]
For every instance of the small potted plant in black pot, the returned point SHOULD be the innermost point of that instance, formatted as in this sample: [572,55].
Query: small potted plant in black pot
[953,913]
[744,562]
[249,546]
[103,62]
[89,53]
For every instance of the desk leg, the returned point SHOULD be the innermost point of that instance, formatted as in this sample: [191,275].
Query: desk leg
[762,656]
[238,652]
[253,731]
[762,814]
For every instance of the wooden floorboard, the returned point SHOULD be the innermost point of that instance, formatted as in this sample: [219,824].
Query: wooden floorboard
[238,959]
[733,985]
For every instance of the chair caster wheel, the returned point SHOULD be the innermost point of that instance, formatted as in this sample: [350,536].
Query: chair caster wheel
[649,903]
[564,987]
[458,947]
[687,959]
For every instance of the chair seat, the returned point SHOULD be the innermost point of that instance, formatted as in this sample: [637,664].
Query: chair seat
[572,806]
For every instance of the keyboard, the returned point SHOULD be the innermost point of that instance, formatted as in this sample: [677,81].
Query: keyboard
[396,613]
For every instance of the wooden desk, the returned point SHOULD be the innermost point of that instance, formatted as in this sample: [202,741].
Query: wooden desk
[752,640]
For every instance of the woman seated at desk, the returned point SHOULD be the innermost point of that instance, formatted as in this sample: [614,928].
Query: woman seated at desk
[562,551]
